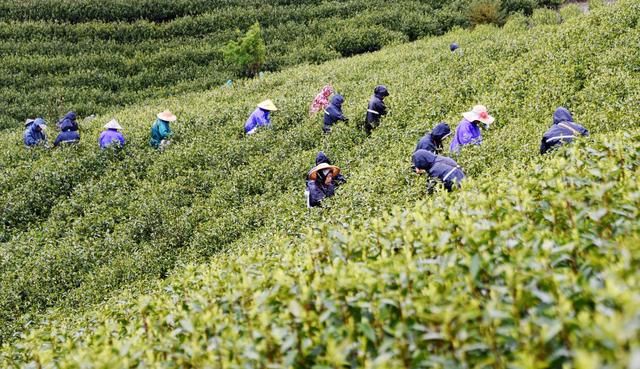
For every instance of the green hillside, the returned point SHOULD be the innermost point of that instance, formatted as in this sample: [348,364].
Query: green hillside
[91,56]
[205,256]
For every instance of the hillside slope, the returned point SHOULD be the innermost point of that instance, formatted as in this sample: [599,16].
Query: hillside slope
[91,223]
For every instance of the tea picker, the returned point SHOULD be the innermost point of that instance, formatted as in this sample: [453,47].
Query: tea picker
[376,109]
[333,113]
[437,167]
[111,136]
[261,117]
[34,133]
[468,130]
[563,130]
[322,181]
[432,141]
[161,131]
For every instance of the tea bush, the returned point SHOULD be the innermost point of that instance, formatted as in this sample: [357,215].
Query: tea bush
[91,56]
[204,255]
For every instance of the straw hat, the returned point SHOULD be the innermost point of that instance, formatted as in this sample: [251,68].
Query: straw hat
[313,173]
[113,124]
[267,105]
[29,121]
[479,112]
[167,116]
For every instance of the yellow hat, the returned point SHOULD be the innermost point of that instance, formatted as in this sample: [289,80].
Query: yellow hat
[267,105]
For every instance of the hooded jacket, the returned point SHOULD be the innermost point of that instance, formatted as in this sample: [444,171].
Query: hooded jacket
[32,136]
[159,131]
[69,120]
[68,135]
[109,137]
[467,133]
[376,108]
[258,118]
[333,113]
[433,141]
[563,130]
[441,167]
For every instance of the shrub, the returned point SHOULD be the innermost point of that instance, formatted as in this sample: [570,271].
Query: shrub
[570,11]
[249,54]
[485,12]
[516,22]
[543,17]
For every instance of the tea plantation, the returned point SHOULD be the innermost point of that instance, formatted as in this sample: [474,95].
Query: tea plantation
[92,55]
[205,255]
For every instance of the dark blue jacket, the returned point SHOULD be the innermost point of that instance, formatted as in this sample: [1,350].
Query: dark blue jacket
[318,191]
[564,130]
[376,108]
[32,136]
[433,141]
[68,135]
[69,120]
[441,167]
[333,112]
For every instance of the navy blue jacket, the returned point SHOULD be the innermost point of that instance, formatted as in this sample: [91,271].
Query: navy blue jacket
[69,120]
[68,135]
[564,130]
[333,112]
[441,167]
[433,141]
[318,190]
[376,108]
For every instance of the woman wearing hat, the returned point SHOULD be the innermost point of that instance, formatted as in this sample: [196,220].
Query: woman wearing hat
[111,135]
[160,131]
[468,131]
[260,117]
[321,181]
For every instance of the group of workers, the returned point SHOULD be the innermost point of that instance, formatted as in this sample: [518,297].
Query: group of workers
[322,180]
[34,133]
[428,157]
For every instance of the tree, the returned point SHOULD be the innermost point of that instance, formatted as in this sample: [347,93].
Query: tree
[249,54]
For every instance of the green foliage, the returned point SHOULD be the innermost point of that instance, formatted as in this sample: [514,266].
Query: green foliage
[544,17]
[570,11]
[595,4]
[249,54]
[485,12]
[516,23]
[205,256]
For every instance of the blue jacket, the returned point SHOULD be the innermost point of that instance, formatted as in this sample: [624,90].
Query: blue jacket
[159,131]
[441,167]
[376,108]
[333,113]
[68,135]
[467,133]
[258,118]
[564,130]
[69,120]
[111,137]
[32,136]
[433,141]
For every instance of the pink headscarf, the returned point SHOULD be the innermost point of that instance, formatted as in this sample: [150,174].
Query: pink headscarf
[321,100]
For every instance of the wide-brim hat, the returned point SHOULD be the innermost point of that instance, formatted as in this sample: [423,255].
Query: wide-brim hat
[113,124]
[267,105]
[167,116]
[479,113]
[29,121]
[313,173]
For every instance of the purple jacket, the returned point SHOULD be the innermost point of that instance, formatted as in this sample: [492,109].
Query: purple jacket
[258,118]
[466,133]
[109,137]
